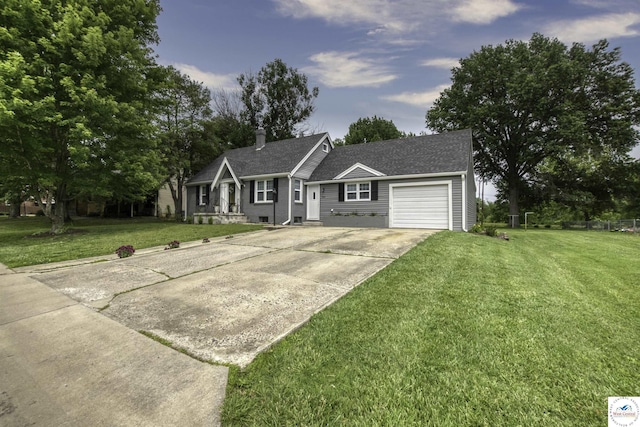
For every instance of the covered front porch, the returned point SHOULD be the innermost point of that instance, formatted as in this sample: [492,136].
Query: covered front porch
[223,206]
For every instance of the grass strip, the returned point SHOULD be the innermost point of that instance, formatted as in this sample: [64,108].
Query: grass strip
[463,330]
[23,245]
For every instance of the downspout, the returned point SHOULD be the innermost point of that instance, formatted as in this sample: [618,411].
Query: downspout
[464,201]
[289,213]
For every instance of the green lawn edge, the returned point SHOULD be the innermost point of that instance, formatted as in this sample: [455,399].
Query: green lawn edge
[21,242]
[463,330]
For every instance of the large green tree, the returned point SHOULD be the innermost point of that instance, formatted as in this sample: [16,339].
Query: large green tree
[184,109]
[277,99]
[540,111]
[228,127]
[370,129]
[74,92]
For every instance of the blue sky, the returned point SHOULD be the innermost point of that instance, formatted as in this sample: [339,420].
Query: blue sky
[389,58]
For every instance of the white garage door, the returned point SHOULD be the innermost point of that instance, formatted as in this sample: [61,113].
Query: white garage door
[420,206]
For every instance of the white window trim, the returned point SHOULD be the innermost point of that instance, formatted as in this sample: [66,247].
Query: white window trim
[203,194]
[325,147]
[359,166]
[357,192]
[265,191]
[298,199]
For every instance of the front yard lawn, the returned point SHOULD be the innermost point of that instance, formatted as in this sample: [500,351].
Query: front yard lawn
[20,246]
[464,330]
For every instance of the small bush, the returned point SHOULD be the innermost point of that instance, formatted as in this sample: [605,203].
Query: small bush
[491,231]
[200,220]
[210,220]
[189,220]
[172,245]
[547,226]
[40,212]
[477,228]
[125,251]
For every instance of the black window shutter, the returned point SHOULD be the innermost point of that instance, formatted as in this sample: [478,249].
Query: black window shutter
[206,195]
[275,189]
[252,191]
[341,192]
[374,190]
[197,195]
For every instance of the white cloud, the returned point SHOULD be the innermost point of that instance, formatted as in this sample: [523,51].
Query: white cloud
[418,99]
[483,11]
[446,63]
[348,69]
[211,80]
[394,17]
[376,12]
[594,28]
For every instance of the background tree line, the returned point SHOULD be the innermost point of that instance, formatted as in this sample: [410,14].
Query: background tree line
[86,112]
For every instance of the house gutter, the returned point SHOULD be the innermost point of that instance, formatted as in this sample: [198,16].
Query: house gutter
[290,212]
[390,177]
[463,180]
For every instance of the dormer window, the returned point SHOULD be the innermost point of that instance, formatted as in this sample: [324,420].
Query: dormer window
[325,147]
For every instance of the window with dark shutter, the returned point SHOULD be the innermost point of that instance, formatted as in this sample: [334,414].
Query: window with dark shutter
[341,192]
[252,191]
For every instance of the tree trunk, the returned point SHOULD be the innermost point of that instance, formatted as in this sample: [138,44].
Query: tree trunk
[58,211]
[176,195]
[14,211]
[514,221]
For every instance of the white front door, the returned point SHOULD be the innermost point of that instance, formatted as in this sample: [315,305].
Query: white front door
[313,202]
[224,195]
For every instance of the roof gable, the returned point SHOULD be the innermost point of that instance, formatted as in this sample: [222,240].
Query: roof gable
[278,157]
[359,170]
[426,154]
[224,166]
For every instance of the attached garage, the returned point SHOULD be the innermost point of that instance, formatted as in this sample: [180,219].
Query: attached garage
[421,205]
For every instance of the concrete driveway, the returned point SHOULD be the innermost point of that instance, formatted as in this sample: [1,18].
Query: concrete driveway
[230,299]
[62,362]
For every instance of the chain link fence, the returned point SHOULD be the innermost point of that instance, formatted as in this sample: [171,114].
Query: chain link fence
[624,225]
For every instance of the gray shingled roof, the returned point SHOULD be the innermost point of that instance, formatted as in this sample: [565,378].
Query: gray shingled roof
[275,158]
[447,152]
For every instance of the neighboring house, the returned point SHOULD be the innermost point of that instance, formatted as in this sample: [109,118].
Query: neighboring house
[165,205]
[419,182]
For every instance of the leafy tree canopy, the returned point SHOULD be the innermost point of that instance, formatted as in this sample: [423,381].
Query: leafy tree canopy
[74,91]
[543,114]
[371,129]
[183,112]
[277,99]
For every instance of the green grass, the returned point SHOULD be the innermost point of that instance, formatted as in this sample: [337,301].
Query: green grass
[464,330]
[94,237]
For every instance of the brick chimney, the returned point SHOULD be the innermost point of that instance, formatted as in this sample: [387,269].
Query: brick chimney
[261,138]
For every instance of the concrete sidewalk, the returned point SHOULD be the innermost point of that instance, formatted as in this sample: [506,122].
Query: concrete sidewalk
[63,364]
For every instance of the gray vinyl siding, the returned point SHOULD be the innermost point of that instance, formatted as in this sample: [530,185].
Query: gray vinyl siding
[191,200]
[254,211]
[298,208]
[380,207]
[312,162]
[358,173]
[471,199]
